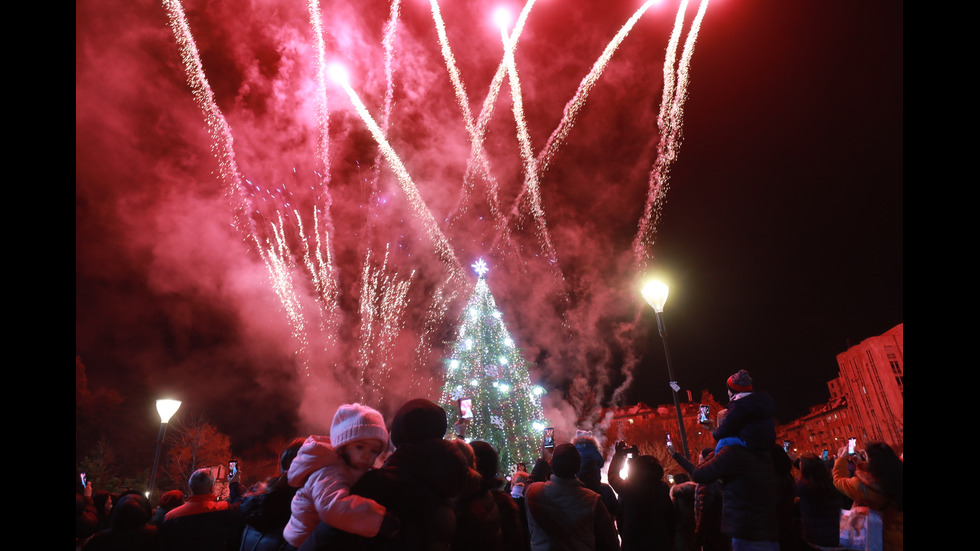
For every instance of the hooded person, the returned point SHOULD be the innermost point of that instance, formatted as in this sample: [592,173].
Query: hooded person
[417,484]
[590,473]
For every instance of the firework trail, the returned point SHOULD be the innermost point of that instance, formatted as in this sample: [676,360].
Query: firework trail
[575,105]
[382,319]
[478,164]
[670,62]
[531,181]
[276,258]
[443,248]
[447,54]
[273,249]
[321,264]
[222,143]
[388,43]
[371,355]
[462,99]
[670,123]
[290,243]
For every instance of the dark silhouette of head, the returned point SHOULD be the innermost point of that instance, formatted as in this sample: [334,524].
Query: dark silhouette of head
[815,474]
[566,461]
[417,420]
[286,459]
[486,459]
[888,470]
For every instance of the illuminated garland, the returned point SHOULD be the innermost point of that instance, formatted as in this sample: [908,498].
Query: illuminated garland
[486,366]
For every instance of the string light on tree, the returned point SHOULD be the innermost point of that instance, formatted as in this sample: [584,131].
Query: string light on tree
[487,367]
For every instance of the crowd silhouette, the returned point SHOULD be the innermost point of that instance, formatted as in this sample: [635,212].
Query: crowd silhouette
[405,486]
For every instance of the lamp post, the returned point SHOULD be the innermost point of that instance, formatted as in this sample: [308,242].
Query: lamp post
[655,293]
[166,409]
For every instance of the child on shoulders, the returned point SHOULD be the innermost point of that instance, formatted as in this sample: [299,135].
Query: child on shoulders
[749,420]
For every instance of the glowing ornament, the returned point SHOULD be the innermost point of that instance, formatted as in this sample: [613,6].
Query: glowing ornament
[497,420]
[480,268]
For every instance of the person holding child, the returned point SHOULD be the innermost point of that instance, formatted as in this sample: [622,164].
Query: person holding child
[324,471]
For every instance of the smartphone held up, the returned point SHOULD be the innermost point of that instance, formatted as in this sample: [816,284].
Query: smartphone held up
[549,438]
[466,408]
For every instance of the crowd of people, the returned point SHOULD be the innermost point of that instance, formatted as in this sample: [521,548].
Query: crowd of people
[432,493]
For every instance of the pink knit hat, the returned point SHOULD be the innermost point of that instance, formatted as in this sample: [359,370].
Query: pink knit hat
[357,422]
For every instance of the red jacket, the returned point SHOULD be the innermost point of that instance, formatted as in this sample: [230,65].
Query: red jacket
[195,505]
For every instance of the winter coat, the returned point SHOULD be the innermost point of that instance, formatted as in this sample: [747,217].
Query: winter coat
[749,499]
[819,514]
[487,519]
[266,514]
[750,417]
[417,485]
[324,481]
[196,505]
[707,518]
[865,490]
[647,519]
[683,497]
[564,515]
[128,528]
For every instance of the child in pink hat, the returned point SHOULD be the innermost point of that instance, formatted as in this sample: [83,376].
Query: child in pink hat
[324,471]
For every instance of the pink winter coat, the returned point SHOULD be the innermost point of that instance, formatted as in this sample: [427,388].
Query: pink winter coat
[324,483]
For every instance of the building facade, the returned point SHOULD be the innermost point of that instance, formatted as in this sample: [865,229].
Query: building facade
[872,380]
[867,400]
[826,427]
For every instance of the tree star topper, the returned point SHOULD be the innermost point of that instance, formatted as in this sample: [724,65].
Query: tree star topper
[480,267]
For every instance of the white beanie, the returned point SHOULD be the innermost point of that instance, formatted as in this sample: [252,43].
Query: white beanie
[357,422]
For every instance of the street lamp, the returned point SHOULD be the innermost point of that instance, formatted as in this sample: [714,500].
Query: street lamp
[655,293]
[166,409]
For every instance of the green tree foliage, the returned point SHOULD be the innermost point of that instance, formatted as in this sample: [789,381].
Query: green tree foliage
[487,367]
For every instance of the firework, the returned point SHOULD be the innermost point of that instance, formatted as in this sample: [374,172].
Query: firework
[295,235]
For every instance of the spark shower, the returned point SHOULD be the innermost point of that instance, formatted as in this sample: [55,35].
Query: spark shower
[369,285]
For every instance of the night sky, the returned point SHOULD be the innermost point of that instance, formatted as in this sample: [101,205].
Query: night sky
[781,229]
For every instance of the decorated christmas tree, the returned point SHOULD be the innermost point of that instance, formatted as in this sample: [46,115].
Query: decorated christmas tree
[487,375]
